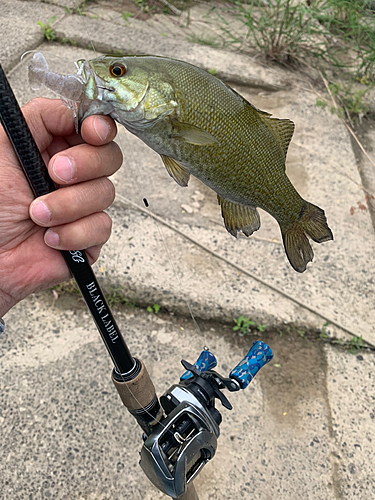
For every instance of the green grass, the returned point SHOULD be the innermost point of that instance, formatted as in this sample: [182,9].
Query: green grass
[335,37]
[153,309]
[48,33]
[244,326]
[280,29]
[323,330]
[204,40]
[288,31]
[355,344]
[115,297]
[126,15]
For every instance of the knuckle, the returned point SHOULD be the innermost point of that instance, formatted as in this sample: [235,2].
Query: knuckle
[107,223]
[118,154]
[102,227]
[108,191]
[35,102]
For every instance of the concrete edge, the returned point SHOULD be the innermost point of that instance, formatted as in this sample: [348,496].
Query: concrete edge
[29,45]
[85,33]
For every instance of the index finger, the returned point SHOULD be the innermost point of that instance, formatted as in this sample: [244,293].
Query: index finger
[48,118]
[96,130]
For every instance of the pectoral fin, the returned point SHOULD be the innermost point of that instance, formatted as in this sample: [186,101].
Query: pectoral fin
[192,134]
[239,217]
[179,173]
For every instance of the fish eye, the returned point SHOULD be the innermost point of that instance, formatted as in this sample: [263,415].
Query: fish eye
[117,69]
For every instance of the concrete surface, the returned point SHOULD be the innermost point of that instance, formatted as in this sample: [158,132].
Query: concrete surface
[337,286]
[305,426]
[19,29]
[302,429]
[134,38]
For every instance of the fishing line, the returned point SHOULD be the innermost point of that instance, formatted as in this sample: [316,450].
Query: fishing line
[167,251]
[171,261]
[150,214]
[240,268]
[244,271]
[28,52]
[163,239]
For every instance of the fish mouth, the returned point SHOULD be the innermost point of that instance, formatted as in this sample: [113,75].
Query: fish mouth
[109,89]
[86,73]
[94,104]
[100,98]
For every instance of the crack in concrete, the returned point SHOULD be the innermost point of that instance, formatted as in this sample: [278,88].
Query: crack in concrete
[333,455]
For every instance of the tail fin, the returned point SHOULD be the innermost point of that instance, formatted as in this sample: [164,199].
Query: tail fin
[312,222]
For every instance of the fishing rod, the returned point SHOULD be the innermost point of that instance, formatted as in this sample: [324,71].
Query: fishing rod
[180,431]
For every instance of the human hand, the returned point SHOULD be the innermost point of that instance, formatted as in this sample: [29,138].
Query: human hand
[29,260]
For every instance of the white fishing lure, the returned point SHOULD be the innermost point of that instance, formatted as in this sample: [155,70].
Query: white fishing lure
[70,88]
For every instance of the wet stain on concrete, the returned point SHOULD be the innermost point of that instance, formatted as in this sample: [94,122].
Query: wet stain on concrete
[296,172]
[285,381]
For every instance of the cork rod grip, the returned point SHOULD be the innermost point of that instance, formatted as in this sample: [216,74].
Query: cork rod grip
[137,393]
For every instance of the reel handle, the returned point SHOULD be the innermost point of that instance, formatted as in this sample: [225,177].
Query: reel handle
[259,355]
[206,361]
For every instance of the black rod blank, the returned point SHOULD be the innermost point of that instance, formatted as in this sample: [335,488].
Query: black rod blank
[36,173]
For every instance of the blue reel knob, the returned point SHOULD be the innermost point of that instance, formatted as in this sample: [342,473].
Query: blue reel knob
[206,361]
[259,355]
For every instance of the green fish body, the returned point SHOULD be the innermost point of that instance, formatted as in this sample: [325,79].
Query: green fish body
[202,127]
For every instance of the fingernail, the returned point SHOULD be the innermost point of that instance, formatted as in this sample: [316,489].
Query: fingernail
[102,128]
[51,238]
[40,212]
[64,169]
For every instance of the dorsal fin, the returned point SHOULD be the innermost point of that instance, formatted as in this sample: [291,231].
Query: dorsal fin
[282,128]
[246,102]
[283,131]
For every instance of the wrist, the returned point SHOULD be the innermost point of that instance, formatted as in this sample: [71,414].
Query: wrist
[6,303]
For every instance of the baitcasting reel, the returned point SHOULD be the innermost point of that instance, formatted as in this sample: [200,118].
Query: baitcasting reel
[186,439]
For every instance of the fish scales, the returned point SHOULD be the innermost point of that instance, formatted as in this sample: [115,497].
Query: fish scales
[245,144]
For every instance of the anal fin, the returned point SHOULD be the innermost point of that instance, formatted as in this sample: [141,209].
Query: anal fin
[239,217]
[179,173]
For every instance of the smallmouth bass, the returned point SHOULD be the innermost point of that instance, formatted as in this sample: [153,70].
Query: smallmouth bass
[202,127]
